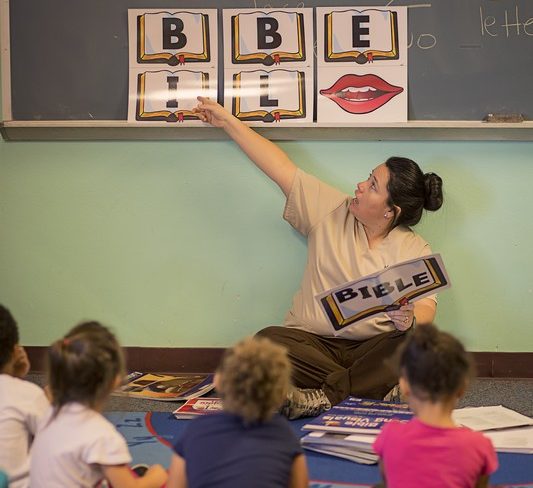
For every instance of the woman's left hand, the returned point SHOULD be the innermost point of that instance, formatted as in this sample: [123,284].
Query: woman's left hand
[403,317]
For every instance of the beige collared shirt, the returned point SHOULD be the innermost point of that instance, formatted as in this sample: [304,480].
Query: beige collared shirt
[338,252]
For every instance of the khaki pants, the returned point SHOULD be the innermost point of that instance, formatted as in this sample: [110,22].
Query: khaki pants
[341,367]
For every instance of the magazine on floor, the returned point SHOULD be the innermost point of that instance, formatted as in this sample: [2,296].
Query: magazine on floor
[355,447]
[344,453]
[166,387]
[490,418]
[196,407]
[359,416]
[518,440]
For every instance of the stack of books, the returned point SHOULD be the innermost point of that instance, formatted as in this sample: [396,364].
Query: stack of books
[350,428]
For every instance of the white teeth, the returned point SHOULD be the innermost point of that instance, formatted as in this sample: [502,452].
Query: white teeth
[353,89]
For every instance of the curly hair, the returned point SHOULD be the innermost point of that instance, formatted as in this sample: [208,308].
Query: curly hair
[254,378]
[435,363]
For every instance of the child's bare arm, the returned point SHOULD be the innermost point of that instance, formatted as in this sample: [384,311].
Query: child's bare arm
[21,363]
[299,475]
[121,476]
[482,482]
[177,476]
[383,484]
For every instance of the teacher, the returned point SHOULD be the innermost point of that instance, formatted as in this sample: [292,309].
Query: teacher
[348,238]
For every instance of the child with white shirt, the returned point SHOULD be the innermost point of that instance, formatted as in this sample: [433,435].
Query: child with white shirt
[22,404]
[76,446]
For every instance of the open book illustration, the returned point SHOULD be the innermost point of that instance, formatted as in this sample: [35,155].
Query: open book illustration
[267,38]
[166,387]
[169,96]
[173,38]
[361,36]
[382,291]
[269,96]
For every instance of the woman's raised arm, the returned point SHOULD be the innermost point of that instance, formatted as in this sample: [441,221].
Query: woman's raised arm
[266,155]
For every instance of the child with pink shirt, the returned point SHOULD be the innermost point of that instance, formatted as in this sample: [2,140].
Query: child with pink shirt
[431,450]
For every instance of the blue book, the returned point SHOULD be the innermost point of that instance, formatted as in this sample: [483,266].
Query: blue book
[359,416]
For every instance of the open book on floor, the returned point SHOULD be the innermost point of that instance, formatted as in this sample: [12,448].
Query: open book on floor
[196,407]
[490,418]
[166,387]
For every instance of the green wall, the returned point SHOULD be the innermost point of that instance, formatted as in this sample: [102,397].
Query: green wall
[181,244]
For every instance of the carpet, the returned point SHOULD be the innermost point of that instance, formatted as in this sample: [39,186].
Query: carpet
[150,435]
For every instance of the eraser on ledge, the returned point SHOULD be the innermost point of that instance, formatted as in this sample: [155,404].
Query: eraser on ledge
[504,118]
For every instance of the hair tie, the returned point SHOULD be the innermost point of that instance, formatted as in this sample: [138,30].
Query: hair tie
[66,342]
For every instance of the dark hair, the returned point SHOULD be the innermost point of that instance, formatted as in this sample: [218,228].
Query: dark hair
[411,190]
[9,336]
[254,378]
[435,363]
[84,365]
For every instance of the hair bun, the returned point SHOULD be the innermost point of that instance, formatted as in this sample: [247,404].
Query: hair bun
[433,198]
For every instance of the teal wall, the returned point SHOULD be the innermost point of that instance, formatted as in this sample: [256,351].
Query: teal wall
[181,244]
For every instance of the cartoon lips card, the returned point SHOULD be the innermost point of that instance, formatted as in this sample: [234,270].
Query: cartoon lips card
[368,96]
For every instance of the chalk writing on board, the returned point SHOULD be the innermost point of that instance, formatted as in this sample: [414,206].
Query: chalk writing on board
[508,23]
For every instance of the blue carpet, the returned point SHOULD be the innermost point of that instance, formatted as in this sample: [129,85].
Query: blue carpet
[150,436]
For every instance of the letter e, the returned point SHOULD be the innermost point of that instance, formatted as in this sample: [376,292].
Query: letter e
[358,31]
[421,279]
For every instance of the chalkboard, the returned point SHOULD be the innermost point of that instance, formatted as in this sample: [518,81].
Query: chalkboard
[467,58]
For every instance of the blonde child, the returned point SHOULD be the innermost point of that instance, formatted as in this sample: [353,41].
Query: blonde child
[248,443]
[431,450]
[22,404]
[76,446]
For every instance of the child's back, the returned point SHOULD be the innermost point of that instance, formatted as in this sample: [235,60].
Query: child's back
[22,404]
[222,451]
[421,455]
[71,448]
[76,446]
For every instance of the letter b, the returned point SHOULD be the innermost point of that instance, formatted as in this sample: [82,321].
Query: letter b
[173,28]
[267,35]
[345,295]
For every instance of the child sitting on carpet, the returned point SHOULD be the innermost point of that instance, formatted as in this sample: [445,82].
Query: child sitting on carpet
[76,445]
[248,443]
[22,404]
[431,450]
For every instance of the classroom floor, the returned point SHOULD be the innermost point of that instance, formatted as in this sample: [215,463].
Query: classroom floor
[516,394]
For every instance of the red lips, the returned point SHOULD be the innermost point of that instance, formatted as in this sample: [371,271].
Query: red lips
[361,94]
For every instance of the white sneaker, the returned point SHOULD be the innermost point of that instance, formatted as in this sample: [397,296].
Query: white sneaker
[395,395]
[304,403]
